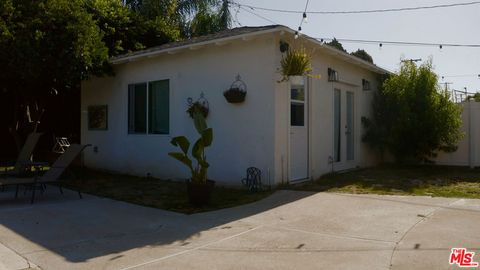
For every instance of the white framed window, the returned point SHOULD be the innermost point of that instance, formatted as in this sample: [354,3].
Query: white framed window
[332,75]
[365,85]
[149,107]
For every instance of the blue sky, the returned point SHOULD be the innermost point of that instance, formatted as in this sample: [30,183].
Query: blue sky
[458,25]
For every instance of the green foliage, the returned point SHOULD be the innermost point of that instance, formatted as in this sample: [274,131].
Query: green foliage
[191,17]
[362,54]
[199,172]
[124,31]
[336,44]
[295,63]
[48,44]
[413,118]
[474,97]
[210,20]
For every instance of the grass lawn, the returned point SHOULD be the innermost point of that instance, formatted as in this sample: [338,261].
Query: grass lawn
[167,195]
[439,181]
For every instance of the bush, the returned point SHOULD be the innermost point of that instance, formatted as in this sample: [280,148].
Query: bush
[413,118]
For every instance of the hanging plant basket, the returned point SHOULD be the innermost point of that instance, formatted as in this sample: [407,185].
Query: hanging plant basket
[237,91]
[235,95]
[201,105]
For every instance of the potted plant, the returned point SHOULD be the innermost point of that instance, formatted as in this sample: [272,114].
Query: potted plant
[237,91]
[199,188]
[198,106]
[235,95]
[294,65]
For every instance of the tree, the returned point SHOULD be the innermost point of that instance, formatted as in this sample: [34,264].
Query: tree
[193,17]
[336,44]
[125,31]
[362,54]
[413,118]
[46,46]
[474,97]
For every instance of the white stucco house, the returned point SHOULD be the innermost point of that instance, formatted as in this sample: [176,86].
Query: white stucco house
[290,132]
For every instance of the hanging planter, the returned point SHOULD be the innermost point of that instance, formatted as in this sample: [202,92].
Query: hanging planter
[201,105]
[295,63]
[237,91]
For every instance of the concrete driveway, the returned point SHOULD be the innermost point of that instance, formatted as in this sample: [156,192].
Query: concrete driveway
[289,230]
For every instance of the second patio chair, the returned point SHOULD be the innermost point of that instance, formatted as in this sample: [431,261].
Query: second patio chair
[51,176]
[24,157]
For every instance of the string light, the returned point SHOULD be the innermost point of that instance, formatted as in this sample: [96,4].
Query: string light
[383,42]
[380,43]
[304,20]
[461,75]
[359,11]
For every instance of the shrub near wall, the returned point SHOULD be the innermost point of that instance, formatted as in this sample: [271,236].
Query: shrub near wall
[413,117]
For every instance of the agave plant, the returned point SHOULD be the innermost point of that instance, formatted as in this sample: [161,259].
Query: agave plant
[295,63]
[198,171]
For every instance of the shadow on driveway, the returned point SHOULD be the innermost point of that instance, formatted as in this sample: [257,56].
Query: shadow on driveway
[79,230]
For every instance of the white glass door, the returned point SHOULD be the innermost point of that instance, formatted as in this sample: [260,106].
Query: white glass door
[298,132]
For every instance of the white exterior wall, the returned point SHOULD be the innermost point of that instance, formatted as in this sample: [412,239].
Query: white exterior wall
[321,120]
[243,134]
[468,152]
[254,133]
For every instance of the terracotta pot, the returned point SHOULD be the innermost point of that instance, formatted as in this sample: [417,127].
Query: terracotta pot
[199,194]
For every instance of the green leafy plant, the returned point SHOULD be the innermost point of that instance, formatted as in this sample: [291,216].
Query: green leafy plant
[475,97]
[295,62]
[235,95]
[197,107]
[198,171]
[413,118]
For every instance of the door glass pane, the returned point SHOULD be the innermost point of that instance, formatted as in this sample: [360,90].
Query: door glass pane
[159,111]
[297,114]
[297,93]
[350,127]
[137,108]
[336,125]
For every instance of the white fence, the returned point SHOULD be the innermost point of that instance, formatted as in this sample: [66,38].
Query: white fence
[468,152]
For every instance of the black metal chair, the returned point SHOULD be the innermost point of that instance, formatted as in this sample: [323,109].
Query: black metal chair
[254,179]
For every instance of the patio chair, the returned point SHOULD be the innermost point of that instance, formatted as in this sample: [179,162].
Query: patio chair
[254,179]
[51,176]
[24,157]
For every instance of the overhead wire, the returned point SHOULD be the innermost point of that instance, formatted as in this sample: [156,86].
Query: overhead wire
[258,15]
[408,43]
[359,11]
[382,42]
[250,9]
[304,18]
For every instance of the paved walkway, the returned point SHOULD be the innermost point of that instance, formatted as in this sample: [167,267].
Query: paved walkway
[289,230]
